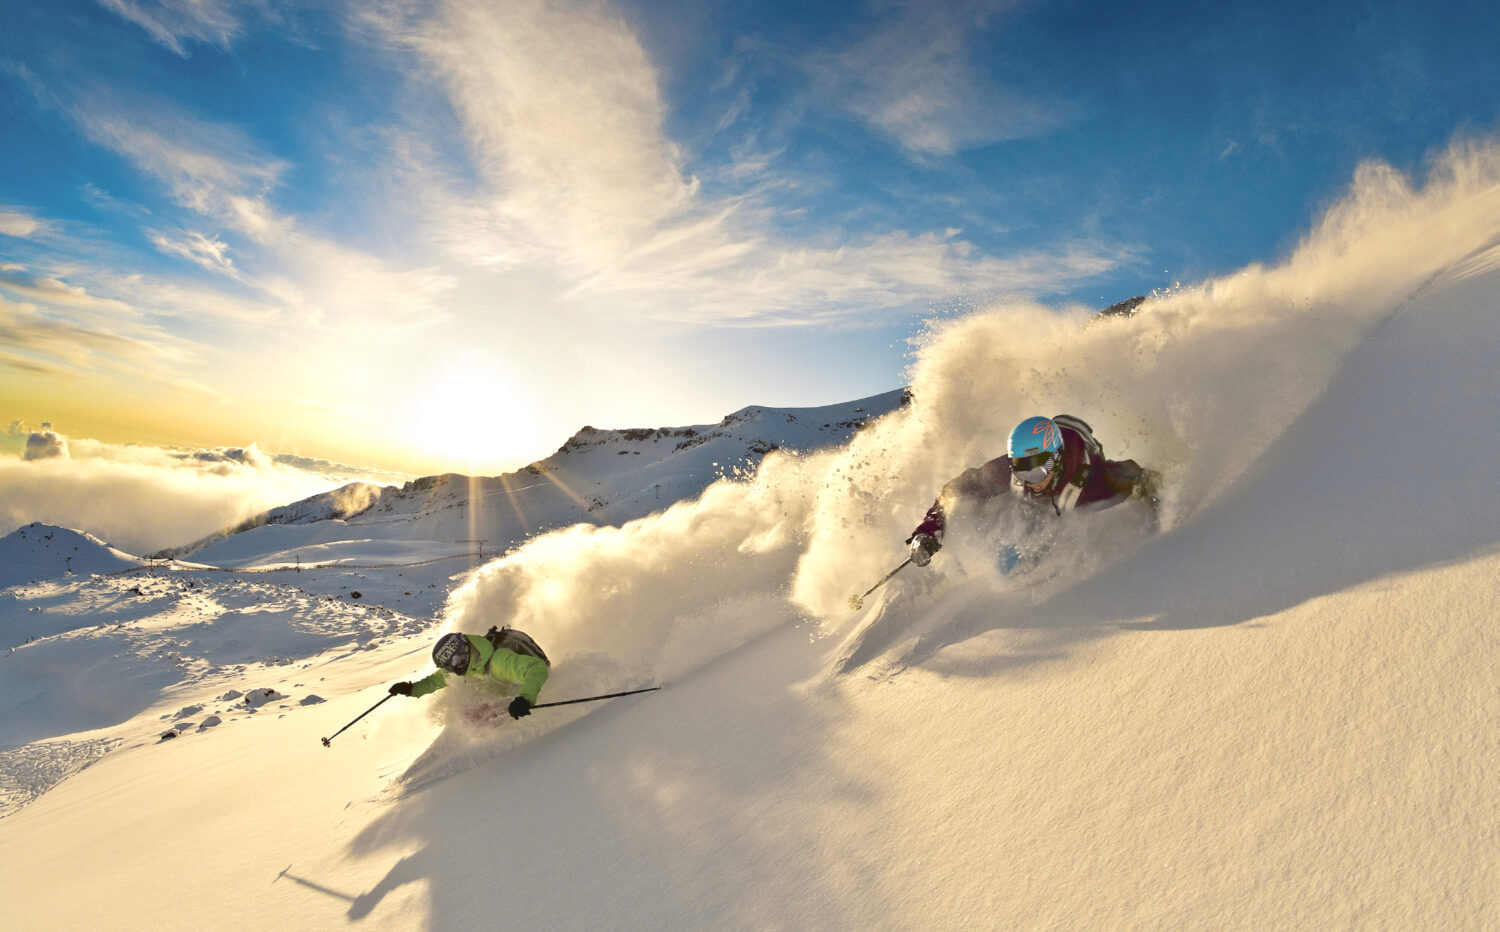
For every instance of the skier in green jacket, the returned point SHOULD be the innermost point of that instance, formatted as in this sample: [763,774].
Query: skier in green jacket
[506,655]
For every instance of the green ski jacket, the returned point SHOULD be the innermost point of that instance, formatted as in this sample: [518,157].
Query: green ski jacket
[505,666]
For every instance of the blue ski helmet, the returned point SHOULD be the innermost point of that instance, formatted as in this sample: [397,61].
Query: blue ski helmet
[451,653]
[1035,450]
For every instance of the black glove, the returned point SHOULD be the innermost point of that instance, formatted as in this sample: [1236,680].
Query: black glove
[520,706]
[400,689]
[923,546]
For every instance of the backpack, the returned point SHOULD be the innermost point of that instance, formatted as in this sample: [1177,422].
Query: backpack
[1094,447]
[508,638]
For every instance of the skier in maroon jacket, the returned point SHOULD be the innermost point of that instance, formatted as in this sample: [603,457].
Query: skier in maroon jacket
[1053,465]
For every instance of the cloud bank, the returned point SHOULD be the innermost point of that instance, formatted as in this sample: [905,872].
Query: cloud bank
[143,499]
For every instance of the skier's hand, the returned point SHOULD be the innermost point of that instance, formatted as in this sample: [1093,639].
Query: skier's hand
[923,546]
[520,706]
[400,689]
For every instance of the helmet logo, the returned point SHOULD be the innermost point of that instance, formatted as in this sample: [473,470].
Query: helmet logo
[1048,430]
[1035,435]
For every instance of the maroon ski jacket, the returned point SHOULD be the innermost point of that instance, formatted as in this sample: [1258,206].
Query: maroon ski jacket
[1086,480]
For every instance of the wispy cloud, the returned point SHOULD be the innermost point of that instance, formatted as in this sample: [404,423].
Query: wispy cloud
[564,117]
[216,171]
[38,340]
[55,293]
[17,223]
[567,125]
[915,76]
[205,250]
[780,286]
[177,23]
[209,167]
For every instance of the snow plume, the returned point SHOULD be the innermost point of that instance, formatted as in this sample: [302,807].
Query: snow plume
[142,499]
[355,498]
[1198,385]
[620,607]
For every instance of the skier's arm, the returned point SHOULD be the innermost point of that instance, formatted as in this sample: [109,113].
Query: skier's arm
[533,676]
[932,523]
[981,482]
[430,683]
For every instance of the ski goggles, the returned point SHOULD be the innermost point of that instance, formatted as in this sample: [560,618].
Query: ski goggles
[1033,469]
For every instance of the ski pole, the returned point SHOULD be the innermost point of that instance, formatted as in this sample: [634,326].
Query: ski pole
[543,705]
[327,742]
[857,602]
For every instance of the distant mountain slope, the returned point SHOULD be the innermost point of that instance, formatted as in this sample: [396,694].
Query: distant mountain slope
[597,477]
[39,551]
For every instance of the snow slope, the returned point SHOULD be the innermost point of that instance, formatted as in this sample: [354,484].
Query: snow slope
[1280,712]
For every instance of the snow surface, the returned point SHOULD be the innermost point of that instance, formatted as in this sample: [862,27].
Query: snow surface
[1279,712]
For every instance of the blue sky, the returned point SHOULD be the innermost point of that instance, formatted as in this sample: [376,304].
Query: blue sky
[448,233]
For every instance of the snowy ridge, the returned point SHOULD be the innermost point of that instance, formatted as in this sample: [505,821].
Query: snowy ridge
[344,502]
[335,504]
[759,429]
[679,463]
[598,477]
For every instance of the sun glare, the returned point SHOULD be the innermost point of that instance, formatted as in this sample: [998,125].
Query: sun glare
[471,421]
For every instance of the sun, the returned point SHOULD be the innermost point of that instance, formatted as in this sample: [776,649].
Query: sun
[469,419]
